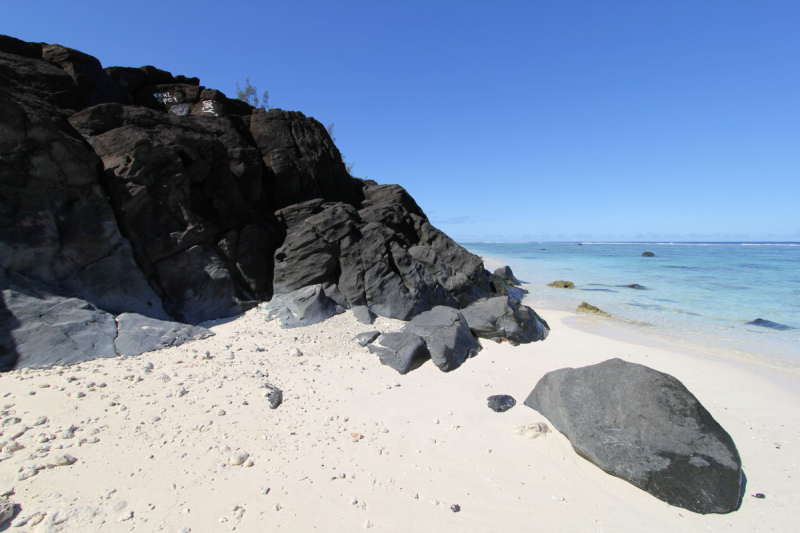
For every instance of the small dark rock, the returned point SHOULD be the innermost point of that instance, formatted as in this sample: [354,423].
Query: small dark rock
[455,508]
[648,254]
[636,286]
[759,495]
[561,284]
[274,395]
[367,337]
[501,403]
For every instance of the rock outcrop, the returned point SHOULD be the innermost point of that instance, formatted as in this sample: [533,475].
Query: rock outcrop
[648,254]
[562,284]
[645,427]
[136,191]
[45,326]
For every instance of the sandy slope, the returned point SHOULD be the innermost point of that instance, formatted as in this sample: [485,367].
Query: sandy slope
[351,449]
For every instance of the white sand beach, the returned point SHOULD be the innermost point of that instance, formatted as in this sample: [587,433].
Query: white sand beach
[356,445]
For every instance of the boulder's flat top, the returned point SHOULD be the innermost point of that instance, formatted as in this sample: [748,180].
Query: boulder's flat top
[344,449]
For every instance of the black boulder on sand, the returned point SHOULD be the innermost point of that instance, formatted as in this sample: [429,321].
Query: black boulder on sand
[447,335]
[647,428]
[400,350]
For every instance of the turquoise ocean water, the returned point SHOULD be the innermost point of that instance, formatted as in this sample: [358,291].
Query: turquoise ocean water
[698,294]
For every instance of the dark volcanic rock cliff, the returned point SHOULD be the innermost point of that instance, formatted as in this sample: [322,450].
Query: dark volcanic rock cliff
[137,191]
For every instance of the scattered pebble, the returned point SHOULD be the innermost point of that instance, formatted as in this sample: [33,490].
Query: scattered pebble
[455,508]
[238,458]
[64,459]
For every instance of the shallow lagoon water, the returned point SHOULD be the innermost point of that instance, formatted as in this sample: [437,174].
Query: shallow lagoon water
[700,294]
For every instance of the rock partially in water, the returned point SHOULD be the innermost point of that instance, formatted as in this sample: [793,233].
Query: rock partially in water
[501,403]
[588,308]
[648,254]
[645,427]
[769,324]
[561,284]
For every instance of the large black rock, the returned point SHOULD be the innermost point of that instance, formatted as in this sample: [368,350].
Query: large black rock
[647,428]
[503,317]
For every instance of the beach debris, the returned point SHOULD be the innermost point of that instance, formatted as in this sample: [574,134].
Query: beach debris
[356,436]
[562,284]
[367,524]
[759,495]
[500,403]
[531,431]
[455,508]
[559,498]
[367,337]
[589,308]
[435,420]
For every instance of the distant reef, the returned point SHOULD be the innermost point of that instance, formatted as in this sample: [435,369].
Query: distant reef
[132,190]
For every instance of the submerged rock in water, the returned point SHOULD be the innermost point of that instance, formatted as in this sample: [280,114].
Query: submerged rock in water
[648,254]
[635,286]
[769,324]
[645,427]
[588,308]
[561,284]
[501,403]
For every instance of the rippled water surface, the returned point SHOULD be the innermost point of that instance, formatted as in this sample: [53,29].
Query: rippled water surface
[700,293]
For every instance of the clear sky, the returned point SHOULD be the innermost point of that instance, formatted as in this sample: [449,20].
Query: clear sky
[532,120]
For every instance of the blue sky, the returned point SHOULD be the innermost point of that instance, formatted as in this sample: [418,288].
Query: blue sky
[534,120]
